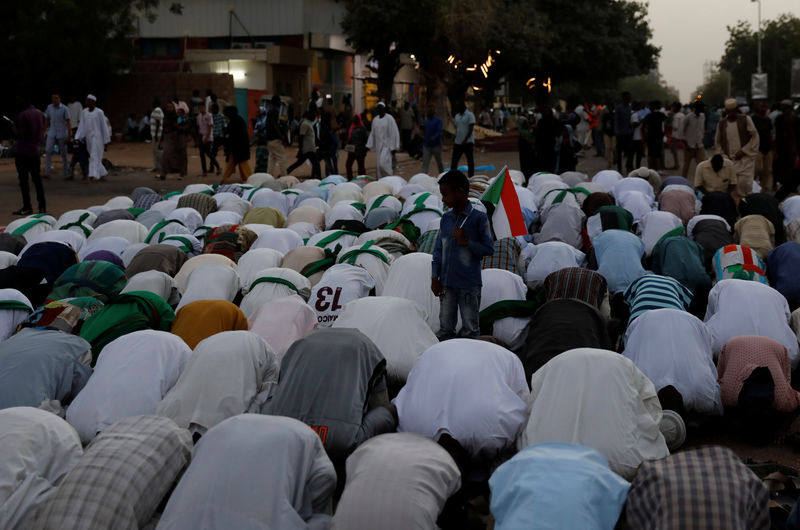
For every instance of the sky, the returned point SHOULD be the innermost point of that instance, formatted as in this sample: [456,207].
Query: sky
[689,32]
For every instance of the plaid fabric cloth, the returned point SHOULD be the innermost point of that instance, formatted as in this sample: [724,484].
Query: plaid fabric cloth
[121,478]
[506,255]
[578,283]
[147,200]
[706,488]
[741,355]
[202,203]
[427,241]
[230,188]
[219,126]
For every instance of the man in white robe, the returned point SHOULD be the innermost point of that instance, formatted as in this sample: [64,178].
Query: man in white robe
[94,129]
[737,139]
[384,139]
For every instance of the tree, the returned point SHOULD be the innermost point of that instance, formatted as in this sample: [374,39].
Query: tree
[716,89]
[780,43]
[645,88]
[65,46]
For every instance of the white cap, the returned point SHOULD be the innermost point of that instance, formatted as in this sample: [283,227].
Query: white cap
[92,97]
[381,104]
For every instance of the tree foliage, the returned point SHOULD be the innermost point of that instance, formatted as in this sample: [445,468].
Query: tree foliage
[538,38]
[65,46]
[780,43]
[716,89]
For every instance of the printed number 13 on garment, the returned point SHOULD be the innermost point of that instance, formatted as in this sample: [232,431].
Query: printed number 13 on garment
[322,303]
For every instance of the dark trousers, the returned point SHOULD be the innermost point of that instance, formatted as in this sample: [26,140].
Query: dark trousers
[207,149]
[312,157]
[624,148]
[638,153]
[599,142]
[465,149]
[405,139]
[29,165]
[348,165]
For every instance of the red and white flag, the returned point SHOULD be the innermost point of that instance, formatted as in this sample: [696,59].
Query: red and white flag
[507,220]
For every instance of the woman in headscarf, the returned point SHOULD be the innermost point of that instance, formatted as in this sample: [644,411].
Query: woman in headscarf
[237,146]
[201,319]
[173,144]
[132,376]
[356,147]
[225,485]
[39,449]
[229,373]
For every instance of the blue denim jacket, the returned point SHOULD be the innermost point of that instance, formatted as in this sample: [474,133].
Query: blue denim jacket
[458,266]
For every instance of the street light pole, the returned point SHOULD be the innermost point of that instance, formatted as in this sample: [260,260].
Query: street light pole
[759,34]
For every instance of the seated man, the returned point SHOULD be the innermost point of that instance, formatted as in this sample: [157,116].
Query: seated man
[665,491]
[486,390]
[396,481]
[334,380]
[615,412]
[673,349]
[715,175]
[122,477]
[557,485]
[254,471]
[742,307]
[40,365]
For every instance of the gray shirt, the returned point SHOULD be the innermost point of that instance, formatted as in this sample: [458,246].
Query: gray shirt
[58,116]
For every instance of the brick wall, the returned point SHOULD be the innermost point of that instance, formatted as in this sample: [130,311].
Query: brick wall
[134,93]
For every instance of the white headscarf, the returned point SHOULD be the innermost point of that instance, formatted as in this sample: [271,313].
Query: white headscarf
[403,282]
[255,260]
[282,321]
[14,308]
[210,282]
[229,373]
[132,375]
[39,449]
[277,283]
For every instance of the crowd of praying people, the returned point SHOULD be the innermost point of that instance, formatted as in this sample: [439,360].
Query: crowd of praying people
[270,354]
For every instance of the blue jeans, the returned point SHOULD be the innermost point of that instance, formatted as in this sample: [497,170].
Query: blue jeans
[467,300]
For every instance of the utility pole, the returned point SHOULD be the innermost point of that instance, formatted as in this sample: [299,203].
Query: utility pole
[759,34]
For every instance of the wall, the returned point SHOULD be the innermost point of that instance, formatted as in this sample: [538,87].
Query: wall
[134,93]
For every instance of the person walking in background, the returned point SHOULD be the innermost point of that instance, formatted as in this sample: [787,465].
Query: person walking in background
[693,129]
[384,139]
[465,138]
[624,133]
[432,143]
[29,129]
[58,132]
[594,113]
[219,132]
[653,132]
[764,161]
[406,125]
[156,132]
[609,139]
[205,130]
[238,146]
[677,138]
[737,139]
[640,112]
[75,109]
[356,147]
[260,141]
[275,138]
[307,145]
[173,143]
[94,130]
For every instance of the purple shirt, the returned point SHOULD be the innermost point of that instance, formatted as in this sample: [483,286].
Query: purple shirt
[29,128]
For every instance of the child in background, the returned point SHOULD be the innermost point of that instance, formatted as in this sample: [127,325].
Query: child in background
[464,239]
[80,156]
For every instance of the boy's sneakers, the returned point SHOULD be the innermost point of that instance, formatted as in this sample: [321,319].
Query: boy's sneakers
[673,429]
[23,211]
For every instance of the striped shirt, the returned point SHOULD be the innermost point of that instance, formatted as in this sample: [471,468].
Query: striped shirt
[656,292]
[577,283]
[219,126]
[156,124]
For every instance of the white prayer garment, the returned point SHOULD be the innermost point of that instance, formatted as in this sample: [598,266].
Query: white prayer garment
[397,327]
[94,130]
[255,260]
[210,282]
[282,321]
[383,139]
[486,389]
[673,348]
[228,374]
[271,284]
[500,285]
[203,259]
[396,481]
[39,449]
[545,258]
[14,309]
[599,399]
[132,375]
[281,239]
[339,285]
[403,281]
[744,307]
